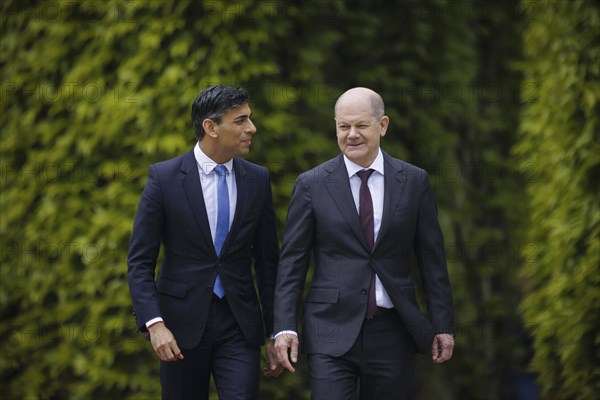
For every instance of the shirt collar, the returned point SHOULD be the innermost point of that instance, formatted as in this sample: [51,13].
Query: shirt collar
[353,167]
[206,164]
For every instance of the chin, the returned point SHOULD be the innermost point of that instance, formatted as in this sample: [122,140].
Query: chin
[354,154]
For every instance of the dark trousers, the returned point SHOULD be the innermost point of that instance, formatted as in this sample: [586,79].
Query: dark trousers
[382,359]
[224,352]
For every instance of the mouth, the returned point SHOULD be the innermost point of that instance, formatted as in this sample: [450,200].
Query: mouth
[247,142]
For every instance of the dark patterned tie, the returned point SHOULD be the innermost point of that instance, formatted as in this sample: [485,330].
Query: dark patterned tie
[368,225]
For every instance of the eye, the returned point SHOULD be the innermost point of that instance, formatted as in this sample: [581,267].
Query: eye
[363,126]
[343,127]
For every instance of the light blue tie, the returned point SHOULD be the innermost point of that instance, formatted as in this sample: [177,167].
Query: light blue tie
[222,220]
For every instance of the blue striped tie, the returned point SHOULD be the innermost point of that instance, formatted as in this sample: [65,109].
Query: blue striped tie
[222,220]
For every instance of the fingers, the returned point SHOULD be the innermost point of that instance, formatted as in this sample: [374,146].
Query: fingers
[435,349]
[282,344]
[169,352]
[271,356]
[446,354]
[273,368]
[176,352]
[282,359]
[442,348]
[272,373]
[294,351]
[165,345]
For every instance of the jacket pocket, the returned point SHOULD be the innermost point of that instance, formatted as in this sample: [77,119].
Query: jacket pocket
[171,288]
[323,296]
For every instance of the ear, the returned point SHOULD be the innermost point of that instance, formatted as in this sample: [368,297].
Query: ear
[210,127]
[384,122]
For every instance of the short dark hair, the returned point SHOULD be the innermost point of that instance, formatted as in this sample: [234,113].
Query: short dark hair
[213,102]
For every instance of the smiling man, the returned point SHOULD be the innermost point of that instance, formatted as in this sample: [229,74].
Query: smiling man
[213,213]
[362,214]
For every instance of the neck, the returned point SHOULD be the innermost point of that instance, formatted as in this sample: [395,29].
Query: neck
[364,163]
[213,152]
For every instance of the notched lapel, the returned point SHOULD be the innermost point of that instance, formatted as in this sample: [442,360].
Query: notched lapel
[338,185]
[190,179]
[243,186]
[394,184]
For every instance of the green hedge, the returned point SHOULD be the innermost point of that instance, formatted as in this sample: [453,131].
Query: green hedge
[560,139]
[93,92]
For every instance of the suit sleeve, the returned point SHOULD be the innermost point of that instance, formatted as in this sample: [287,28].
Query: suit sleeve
[144,247]
[265,251]
[295,255]
[431,259]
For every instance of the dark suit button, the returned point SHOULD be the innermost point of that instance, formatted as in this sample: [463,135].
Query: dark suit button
[208,288]
[363,291]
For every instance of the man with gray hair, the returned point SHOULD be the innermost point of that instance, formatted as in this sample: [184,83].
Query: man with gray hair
[362,214]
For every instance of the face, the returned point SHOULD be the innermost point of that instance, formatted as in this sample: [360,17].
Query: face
[358,130]
[234,134]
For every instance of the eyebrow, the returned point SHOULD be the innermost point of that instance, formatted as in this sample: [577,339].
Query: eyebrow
[340,122]
[243,116]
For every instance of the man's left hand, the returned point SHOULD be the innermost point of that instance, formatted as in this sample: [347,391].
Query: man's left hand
[442,347]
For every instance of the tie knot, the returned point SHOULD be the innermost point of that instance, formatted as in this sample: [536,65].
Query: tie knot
[220,170]
[365,174]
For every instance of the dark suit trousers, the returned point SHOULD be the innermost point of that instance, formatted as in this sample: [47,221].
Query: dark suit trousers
[224,352]
[382,359]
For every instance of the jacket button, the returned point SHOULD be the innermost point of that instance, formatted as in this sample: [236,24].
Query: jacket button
[363,291]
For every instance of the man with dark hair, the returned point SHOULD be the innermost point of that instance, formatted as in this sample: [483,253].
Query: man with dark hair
[362,214]
[213,213]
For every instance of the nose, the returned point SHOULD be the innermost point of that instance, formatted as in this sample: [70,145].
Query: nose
[353,133]
[251,129]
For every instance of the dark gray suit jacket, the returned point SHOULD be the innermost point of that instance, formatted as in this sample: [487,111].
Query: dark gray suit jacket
[172,211]
[322,219]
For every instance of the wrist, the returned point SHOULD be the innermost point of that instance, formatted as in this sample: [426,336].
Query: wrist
[154,325]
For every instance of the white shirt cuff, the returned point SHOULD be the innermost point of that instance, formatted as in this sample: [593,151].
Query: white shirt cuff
[153,321]
[283,332]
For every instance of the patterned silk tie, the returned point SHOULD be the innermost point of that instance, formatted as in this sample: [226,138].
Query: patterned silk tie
[222,220]
[368,225]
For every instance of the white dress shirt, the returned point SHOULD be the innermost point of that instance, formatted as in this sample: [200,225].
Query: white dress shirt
[208,181]
[376,187]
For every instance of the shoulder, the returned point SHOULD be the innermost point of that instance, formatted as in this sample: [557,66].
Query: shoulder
[174,164]
[248,168]
[323,171]
[409,170]
[248,165]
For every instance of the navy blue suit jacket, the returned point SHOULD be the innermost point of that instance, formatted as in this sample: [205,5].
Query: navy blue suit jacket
[172,212]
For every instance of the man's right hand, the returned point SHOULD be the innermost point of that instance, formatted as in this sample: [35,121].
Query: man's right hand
[283,343]
[164,343]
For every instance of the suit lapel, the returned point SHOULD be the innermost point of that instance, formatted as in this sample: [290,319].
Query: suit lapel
[190,179]
[338,185]
[394,183]
[243,187]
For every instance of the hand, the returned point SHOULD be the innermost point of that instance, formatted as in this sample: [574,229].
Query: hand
[442,347]
[164,343]
[273,368]
[283,343]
